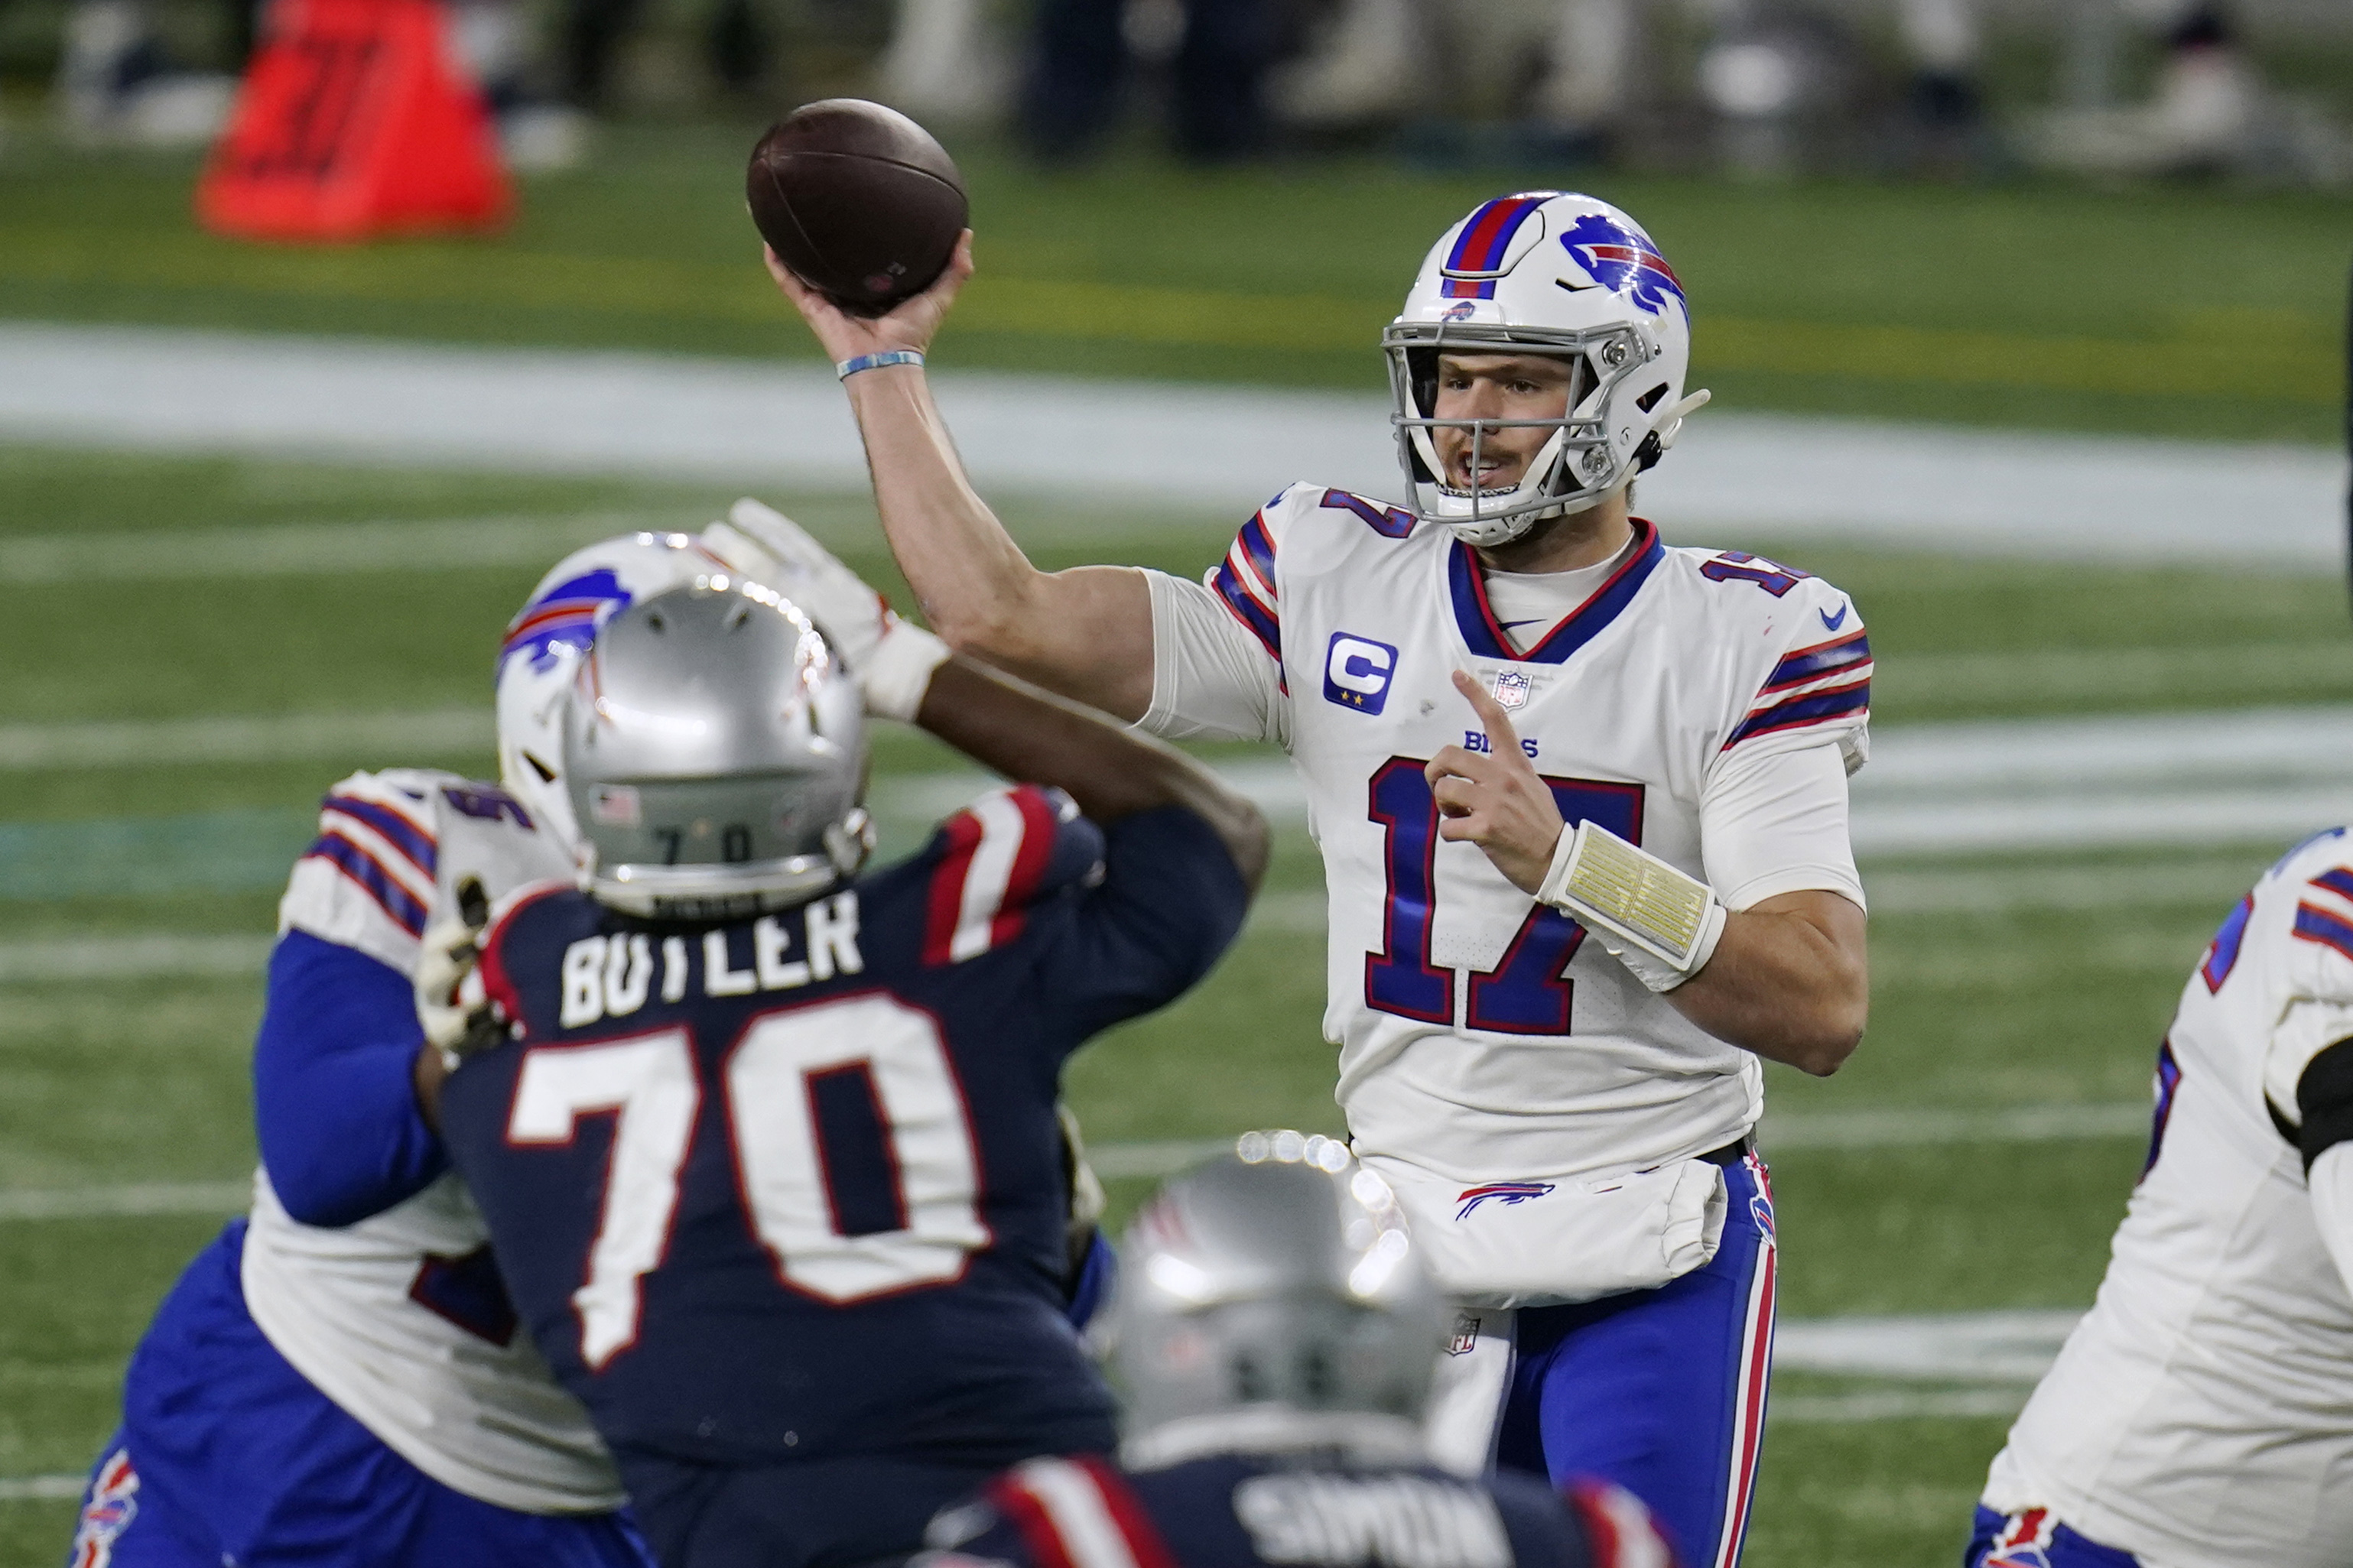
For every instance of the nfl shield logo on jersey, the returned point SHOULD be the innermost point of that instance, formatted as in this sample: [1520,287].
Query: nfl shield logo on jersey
[1465,1337]
[1512,689]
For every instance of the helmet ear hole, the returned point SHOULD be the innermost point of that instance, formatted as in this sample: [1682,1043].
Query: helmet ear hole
[1649,399]
[546,775]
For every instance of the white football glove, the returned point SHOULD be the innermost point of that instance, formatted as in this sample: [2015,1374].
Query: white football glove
[458,1016]
[892,659]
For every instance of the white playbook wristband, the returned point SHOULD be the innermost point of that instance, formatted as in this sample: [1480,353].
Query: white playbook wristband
[1659,923]
[899,670]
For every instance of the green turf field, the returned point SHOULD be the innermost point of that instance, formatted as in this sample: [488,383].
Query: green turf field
[114,1079]
[2182,311]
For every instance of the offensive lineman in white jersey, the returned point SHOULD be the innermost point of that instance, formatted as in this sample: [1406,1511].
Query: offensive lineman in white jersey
[1649,746]
[2201,1414]
[339,1378]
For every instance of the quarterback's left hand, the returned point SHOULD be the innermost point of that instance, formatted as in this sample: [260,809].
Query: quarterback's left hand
[891,658]
[457,1016]
[1496,800]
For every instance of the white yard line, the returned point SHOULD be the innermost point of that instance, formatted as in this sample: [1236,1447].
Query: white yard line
[1862,1129]
[1732,478]
[431,735]
[2254,776]
[141,955]
[41,1488]
[139,1200]
[313,548]
[1895,1404]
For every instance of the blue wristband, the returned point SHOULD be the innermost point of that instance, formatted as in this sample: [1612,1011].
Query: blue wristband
[850,367]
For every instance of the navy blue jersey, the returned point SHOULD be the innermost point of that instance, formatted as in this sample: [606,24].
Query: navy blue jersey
[792,1187]
[1294,1511]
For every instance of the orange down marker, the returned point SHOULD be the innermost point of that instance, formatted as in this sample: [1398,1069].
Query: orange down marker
[354,121]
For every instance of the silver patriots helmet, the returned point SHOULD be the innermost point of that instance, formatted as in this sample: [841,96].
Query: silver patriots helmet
[1281,1276]
[716,754]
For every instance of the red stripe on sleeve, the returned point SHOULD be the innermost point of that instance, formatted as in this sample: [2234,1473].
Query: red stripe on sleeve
[1128,1512]
[946,905]
[1029,1515]
[1039,822]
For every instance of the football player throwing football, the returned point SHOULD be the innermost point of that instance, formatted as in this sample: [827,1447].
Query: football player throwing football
[1581,798]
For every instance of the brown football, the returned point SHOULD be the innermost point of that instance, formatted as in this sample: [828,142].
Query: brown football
[857,199]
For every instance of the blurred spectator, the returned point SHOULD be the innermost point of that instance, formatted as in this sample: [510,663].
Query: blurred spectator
[945,64]
[117,86]
[1083,67]
[2209,112]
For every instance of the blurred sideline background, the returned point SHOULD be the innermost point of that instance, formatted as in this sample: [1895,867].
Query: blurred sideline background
[2026,324]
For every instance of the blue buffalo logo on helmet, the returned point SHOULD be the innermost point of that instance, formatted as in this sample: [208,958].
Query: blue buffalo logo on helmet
[1624,261]
[1504,1192]
[567,616]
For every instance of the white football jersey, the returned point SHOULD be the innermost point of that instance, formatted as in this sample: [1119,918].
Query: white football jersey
[400,1319]
[2202,1414]
[1482,1039]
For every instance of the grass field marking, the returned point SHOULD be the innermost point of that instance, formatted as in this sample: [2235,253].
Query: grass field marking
[1155,1159]
[2295,366]
[1895,1404]
[1903,1128]
[2203,881]
[148,955]
[749,423]
[138,1200]
[2004,1346]
[2067,752]
[2111,675]
[41,1488]
[288,550]
[280,738]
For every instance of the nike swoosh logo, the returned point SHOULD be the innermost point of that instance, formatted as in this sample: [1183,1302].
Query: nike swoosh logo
[1831,623]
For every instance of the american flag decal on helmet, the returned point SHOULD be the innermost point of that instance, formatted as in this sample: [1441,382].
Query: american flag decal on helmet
[1624,261]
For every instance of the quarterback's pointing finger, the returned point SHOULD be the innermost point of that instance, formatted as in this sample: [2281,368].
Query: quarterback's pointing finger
[1503,741]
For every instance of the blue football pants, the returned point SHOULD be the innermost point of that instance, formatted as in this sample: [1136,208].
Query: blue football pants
[228,1454]
[1659,1391]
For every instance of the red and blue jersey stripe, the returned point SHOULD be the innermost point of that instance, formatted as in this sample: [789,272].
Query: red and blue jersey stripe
[1245,581]
[1811,664]
[403,835]
[2315,924]
[364,869]
[1811,708]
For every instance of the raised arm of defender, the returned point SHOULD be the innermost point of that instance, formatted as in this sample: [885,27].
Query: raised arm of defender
[1085,633]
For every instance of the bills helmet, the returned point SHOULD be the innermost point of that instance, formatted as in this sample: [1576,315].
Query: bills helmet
[1279,1276]
[1553,273]
[715,751]
[544,642]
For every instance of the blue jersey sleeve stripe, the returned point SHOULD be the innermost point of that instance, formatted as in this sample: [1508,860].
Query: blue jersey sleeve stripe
[393,828]
[1258,545]
[1260,621]
[1813,663]
[1814,708]
[2337,880]
[378,883]
[2314,924]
